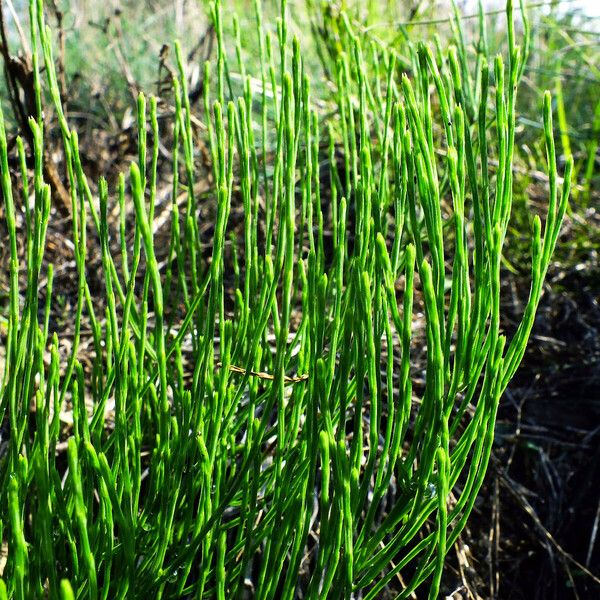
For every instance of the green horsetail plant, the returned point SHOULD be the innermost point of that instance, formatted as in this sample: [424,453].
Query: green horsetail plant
[249,423]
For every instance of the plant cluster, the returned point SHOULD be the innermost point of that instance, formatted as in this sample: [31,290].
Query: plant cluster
[267,438]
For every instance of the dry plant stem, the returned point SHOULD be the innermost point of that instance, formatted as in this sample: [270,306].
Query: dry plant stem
[19,74]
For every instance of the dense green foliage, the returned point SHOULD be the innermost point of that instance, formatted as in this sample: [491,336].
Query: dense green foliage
[265,434]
